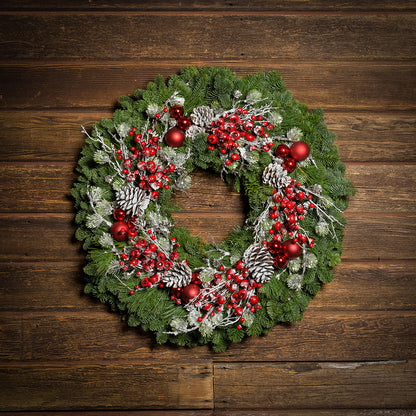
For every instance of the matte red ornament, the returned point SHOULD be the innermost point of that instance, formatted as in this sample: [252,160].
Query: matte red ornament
[175,137]
[189,292]
[292,249]
[177,291]
[176,111]
[289,164]
[184,123]
[119,214]
[280,261]
[196,278]
[282,151]
[119,230]
[300,150]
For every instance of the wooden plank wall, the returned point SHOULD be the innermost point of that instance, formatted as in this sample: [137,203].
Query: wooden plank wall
[64,64]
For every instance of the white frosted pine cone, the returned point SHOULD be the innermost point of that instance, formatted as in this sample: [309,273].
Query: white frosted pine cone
[275,176]
[202,116]
[259,262]
[132,200]
[179,275]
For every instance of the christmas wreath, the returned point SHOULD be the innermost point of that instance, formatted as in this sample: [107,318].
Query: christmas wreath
[275,152]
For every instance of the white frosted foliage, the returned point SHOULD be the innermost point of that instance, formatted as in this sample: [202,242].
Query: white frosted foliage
[106,240]
[94,220]
[295,281]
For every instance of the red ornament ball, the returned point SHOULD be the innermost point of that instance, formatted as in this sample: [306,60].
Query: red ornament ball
[300,150]
[282,151]
[196,278]
[292,249]
[274,247]
[289,164]
[184,123]
[177,292]
[175,137]
[176,111]
[119,214]
[189,292]
[280,261]
[119,230]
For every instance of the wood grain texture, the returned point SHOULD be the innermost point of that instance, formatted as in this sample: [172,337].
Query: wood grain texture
[155,36]
[224,412]
[71,386]
[87,336]
[364,137]
[208,5]
[56,135]
[331,85]
[323,385]
[318,412]
[165,412]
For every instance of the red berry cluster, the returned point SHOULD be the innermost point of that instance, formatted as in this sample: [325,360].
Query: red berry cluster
[297,152]
[225,133]
[145,255]
[146,146]
[152,177]
[293,205]
[147,174]
[212,299]
[240,287]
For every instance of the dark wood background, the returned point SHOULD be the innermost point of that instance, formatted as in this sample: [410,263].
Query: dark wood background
[64,64]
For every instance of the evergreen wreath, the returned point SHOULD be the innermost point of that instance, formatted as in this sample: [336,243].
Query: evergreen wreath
[275,152]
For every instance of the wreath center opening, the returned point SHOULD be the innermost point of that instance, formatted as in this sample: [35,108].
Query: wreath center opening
[210,208]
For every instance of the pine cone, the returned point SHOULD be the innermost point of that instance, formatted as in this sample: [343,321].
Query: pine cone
[259,262]
[275,176]
[132,200]
[202,116]
[179,275]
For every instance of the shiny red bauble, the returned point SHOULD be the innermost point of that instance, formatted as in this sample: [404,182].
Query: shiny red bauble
[119,214]
[282,151]
[280,261]
[289,164]
[274,247]
[175,137]
[189,292]
[300,150]
[184,123]
[291,249]
[119,230]
[176,111]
